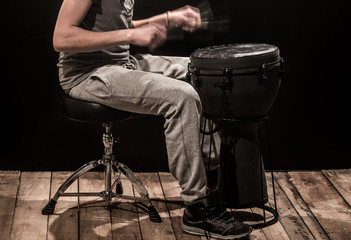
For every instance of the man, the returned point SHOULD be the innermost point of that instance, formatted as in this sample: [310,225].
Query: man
[93,38]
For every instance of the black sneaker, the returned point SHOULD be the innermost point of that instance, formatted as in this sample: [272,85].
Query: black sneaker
[215,223]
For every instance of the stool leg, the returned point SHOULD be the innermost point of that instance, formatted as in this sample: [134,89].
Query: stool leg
[134,180]
[153,214]
[117,184]
[50,207]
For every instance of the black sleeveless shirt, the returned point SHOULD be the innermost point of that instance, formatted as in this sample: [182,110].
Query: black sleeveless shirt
[103,15]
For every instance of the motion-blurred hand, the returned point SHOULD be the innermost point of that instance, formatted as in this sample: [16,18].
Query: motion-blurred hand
[188,18]
[150,35]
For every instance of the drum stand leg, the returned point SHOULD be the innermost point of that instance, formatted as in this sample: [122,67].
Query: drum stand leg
[110,165]
[211,171]
[274,210]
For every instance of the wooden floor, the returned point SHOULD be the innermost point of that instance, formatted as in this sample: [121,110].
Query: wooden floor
[311,204]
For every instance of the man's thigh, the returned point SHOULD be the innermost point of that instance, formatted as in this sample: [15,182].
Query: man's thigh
[170,66]
[132,90]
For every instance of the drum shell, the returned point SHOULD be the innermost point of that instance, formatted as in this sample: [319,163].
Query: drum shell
[249,95]
[242,180]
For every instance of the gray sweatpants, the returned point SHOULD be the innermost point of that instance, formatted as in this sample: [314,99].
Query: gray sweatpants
[156,87]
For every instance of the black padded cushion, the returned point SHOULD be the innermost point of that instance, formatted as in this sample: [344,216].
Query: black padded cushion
[84,111]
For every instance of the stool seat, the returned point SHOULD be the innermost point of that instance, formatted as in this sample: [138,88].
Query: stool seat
[84,111]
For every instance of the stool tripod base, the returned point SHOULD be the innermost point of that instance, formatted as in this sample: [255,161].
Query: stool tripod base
[108,194]
[111,166]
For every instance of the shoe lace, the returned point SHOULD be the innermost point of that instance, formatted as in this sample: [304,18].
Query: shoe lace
[225,216]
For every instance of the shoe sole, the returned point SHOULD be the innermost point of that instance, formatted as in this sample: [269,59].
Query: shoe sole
[201,232]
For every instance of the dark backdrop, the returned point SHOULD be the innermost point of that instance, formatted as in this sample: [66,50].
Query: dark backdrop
[310,119]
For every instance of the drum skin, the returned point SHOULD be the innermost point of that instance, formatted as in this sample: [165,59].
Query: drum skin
[236,80]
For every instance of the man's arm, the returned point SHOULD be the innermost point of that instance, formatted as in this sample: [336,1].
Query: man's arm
[69,37]
[188,18]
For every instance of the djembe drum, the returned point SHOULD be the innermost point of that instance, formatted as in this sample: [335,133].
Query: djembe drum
[237,84]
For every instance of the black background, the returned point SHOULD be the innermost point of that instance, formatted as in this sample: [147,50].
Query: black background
[309,121]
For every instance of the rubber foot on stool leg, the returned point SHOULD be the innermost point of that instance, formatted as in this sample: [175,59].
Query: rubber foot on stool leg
[119,188]
[49,208]
[153,215]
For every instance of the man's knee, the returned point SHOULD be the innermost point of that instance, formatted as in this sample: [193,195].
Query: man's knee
[189,95]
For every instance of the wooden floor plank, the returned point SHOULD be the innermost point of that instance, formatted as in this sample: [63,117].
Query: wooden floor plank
[327,205]
[175,206]
[95,219]
[149,229]
[288,216]
[63,224]
[9,182]
[33,194]
[312,205]
[125,223]
[341,179]
[248,216]
[284,182]
[275,231]
[257,234]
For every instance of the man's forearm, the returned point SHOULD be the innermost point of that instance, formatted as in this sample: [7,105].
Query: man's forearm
[158,19]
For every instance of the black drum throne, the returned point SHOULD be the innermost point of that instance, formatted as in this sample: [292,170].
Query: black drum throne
[238,84]
[90,112]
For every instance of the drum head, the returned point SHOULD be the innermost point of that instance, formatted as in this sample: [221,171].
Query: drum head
[235,55]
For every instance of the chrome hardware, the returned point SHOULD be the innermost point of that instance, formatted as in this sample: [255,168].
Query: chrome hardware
[111,166]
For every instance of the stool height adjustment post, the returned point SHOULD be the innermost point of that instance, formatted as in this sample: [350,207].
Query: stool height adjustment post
[108,140]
